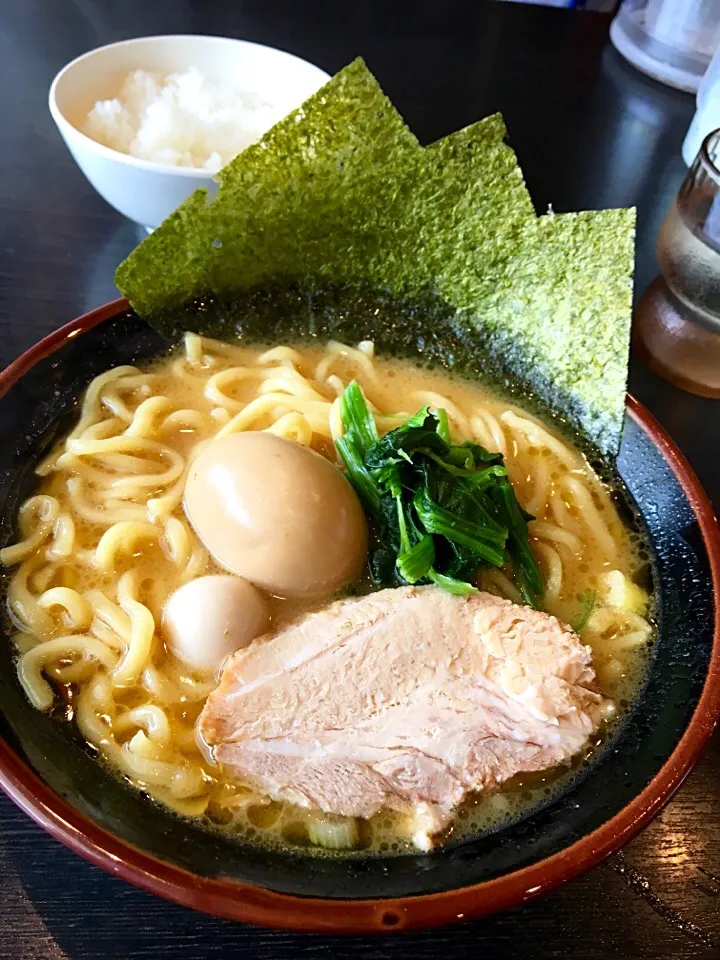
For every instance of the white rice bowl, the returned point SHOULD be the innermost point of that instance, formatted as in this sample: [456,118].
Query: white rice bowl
[183,119]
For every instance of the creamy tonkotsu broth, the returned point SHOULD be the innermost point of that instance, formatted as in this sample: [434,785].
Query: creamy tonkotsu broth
[105,542]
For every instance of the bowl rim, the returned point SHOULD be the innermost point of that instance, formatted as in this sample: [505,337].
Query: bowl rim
[62,122]
[257,905]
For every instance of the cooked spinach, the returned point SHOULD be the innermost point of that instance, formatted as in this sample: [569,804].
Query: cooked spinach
[438,512]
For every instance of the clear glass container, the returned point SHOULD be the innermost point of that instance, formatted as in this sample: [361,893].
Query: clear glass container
[707,113]
[677,323]
[671,40]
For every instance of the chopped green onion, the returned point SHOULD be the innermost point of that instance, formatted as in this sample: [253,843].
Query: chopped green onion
[587,598]
[620,592]
[333,833]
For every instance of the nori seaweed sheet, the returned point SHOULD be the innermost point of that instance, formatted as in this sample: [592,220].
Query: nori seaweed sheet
[339,201]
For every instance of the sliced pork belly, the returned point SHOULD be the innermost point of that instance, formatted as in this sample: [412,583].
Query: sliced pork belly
[407,699]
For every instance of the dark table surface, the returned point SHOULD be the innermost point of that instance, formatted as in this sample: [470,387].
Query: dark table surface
[590,133]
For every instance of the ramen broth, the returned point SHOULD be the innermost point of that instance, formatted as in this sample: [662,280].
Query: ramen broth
[104,542]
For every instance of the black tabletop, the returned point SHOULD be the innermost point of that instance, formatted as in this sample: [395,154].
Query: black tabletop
[590,133]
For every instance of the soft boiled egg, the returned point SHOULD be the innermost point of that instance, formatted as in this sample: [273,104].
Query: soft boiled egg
[276,513]
[206,619]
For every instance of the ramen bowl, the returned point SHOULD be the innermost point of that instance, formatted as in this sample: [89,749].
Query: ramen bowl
[48,771]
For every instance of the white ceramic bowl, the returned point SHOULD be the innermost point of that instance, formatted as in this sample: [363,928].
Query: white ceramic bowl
[140,189]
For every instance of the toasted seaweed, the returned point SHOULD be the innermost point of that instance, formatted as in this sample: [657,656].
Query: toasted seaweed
[289,206]
[561,307]
[338,206]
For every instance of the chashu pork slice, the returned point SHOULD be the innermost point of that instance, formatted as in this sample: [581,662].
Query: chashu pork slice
[407,699]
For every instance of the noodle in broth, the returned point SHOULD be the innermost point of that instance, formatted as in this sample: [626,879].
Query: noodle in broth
[105,542]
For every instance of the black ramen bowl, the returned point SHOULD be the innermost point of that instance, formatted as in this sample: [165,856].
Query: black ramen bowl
[48,771]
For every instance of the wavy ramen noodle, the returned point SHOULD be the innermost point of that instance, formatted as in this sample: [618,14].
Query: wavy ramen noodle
[105,542]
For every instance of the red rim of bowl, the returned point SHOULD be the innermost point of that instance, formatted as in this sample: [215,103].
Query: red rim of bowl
[251,904]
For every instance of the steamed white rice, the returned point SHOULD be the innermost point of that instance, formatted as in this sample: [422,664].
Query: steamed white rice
[183,119]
